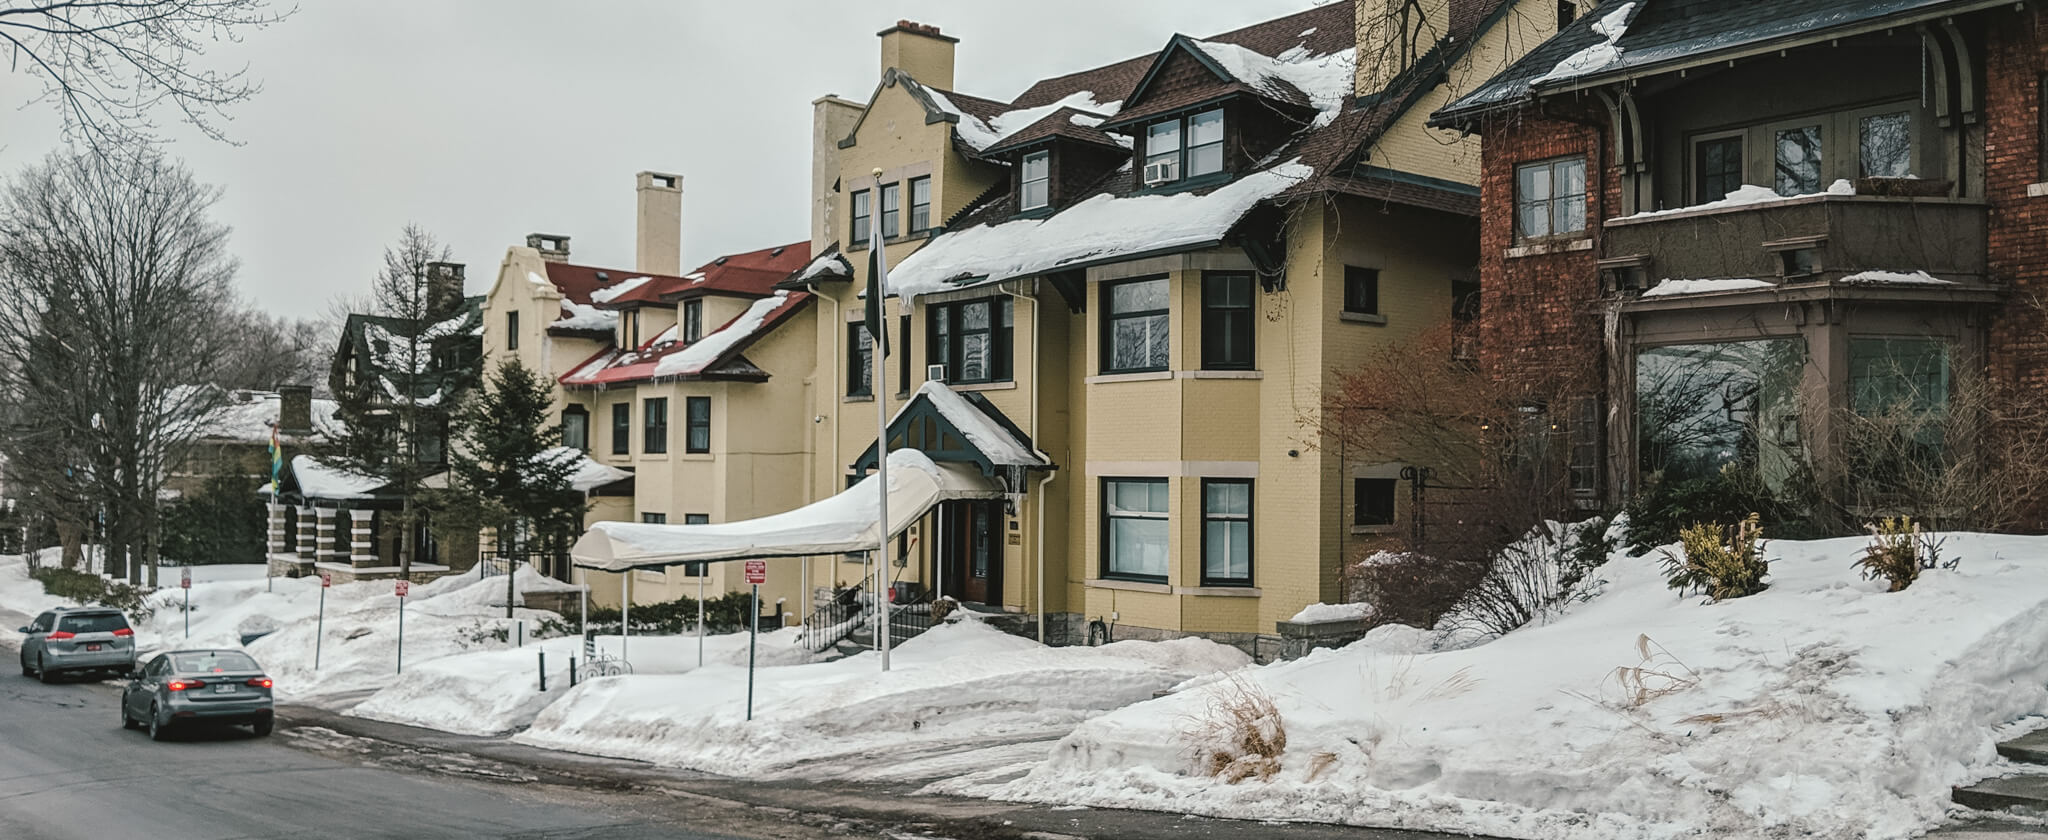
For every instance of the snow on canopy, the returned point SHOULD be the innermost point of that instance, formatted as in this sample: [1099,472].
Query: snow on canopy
[1100,229]
[319,480]
[829,264]
[1327,80]
[585,474]
[848,522]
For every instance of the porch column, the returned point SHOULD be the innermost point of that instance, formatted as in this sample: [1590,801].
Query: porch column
[280,525]
[307,540]
[364,547]
[329,553]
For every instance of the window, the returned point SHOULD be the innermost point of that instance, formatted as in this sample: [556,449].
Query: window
[859,239]
[1726,408]
[1796,160]
[1716,168]
[1885,145]
[1184,148]
[1550,198]
[1134,529]
[860,361]
[1904,384]
[576,428]
[656,424]
[654,518]
[1037,181]
[1584,464]
[1567,11]
[696,519]
[1134,326]
[972,339]
[1362,290]
[1226,532]
[903,355]
[1227,322]
[693,320]
[920,204]
[511,330]
[622,428]
[892,210]
[629,326]
[698,424]
[1372,501]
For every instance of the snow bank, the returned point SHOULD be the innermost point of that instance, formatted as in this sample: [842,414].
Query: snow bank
[958,682]
[1320,611]
[1694,287]
[1822,707]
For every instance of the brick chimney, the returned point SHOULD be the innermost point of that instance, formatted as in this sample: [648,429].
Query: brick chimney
[1392,35]
[295,409]
[658,243]
[919,49]
[444,288]
[553,247]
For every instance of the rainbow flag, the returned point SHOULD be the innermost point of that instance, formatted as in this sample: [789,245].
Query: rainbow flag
[276,459]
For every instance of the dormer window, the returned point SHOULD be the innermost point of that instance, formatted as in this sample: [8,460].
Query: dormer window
[693,321]
[1036,191]
[1187,147]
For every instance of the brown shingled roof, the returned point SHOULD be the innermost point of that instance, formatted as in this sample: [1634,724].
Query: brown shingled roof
[1323,29]
[1059,123]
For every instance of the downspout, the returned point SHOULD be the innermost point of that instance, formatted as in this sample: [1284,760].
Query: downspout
[1038,509]
[829,392]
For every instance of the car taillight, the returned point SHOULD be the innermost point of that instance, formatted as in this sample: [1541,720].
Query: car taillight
[60,635]
[124,632]
[260,682]
[181,685]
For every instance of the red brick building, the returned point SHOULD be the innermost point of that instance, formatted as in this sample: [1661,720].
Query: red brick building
[1713,232]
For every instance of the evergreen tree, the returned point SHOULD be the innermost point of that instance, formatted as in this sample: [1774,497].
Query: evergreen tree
[511,472]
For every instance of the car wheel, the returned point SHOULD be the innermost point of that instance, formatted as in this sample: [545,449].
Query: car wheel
[42,670]
[126,721]
[263,726]
[25,670]
[157,730]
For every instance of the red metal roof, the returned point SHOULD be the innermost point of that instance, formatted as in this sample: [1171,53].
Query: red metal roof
[611,366]
[749,274]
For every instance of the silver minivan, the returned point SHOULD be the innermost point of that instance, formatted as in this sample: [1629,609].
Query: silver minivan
[77,640]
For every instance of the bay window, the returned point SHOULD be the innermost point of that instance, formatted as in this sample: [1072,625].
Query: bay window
[972,338]
[1226,532]
[1135,326]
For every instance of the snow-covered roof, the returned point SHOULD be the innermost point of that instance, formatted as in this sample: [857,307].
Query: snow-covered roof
[1326,80]
[664,356]
[982,134]
[981,430]
[1668,288]
[696,357]
[606,294]
[1747,195]
[585,473]
[1895,278]
[1610,27]
[246,417]
[319,480]
[578,316]
[828,264]
[1100,229]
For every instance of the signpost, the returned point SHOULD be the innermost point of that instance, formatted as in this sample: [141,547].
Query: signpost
[402,588]
[702,570]
[320,624]
[185,583]
[757,574]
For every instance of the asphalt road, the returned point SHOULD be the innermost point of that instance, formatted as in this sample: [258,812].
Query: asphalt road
[68,770]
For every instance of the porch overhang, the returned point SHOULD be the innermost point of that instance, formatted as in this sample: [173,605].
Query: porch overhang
[951,426]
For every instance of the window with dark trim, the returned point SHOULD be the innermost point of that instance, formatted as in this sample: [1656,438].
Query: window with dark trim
[655,425]
[629,327]
[696,519]
[1036,180]
[860,360]
[1135,326]
[654,518]
[1550,198]
[1135,531]
[1362,290]
[902,355]
[511,330]
[1567,11]
[892,210]
[861,213]
[920,204]
[622,428]
[1716,168]
[697,432]
[1226,321]
[972,339]
[693,320]
[1372,501]
[1226,532]
[576,427]
[1183,147]
[1796,160]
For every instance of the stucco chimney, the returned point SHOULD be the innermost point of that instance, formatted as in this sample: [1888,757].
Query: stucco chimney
[659,241]
[553,247]
[1392,35]
[444,288]
[831,119]
[919,49]
[295,409]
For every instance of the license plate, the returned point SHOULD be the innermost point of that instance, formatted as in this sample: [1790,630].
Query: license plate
[228,688]
[92,647]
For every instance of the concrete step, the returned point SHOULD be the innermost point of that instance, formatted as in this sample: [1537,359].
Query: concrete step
[2031,748]
[2022,792]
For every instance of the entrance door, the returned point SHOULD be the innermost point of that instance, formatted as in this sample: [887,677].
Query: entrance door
[969,551]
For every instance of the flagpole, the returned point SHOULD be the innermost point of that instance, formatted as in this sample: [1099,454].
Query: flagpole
[878,327]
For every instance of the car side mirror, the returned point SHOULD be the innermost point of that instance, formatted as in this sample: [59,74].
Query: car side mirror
[24,630]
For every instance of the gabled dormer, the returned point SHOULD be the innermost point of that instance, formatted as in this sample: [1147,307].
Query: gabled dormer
[1055,160]
[1206,110]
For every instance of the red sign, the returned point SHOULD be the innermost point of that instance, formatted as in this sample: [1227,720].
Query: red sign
[757,571]
[185,578]
[403,587]
[326,580]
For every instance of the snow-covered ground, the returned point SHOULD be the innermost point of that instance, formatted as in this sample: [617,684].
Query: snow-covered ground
[1822,707]
[961,683]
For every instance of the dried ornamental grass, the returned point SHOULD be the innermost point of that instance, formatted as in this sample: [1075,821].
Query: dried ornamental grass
[1239,735]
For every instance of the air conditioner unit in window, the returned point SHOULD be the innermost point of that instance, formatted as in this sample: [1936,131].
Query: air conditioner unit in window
[1162,172]
[935,373]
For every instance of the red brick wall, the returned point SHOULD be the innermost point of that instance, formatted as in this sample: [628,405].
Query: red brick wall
[1539,314]
[2016,54]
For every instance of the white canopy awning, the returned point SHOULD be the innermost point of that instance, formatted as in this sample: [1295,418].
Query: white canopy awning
[844,523]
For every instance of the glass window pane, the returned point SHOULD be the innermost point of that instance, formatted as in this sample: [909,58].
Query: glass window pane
[1205,127]
[1036,195]
[1533,218]
[974,357]
[1570,178]
[1228,498]
[1797,161]
[1887,146]
[1227,551]
[974,316]
[1568,214]
[1138,546]
[1162,137]
[1703,408]
[1533,183]
[1036,165]
[1139,296]
[921,191]
[1204,160]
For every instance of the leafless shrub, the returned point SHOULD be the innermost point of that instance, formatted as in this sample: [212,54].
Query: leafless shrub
[1966,454]
[1239,734]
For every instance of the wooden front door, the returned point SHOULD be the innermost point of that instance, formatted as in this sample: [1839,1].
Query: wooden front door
[970,551]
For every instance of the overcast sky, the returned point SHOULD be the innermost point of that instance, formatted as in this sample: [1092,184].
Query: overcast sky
[486,120]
